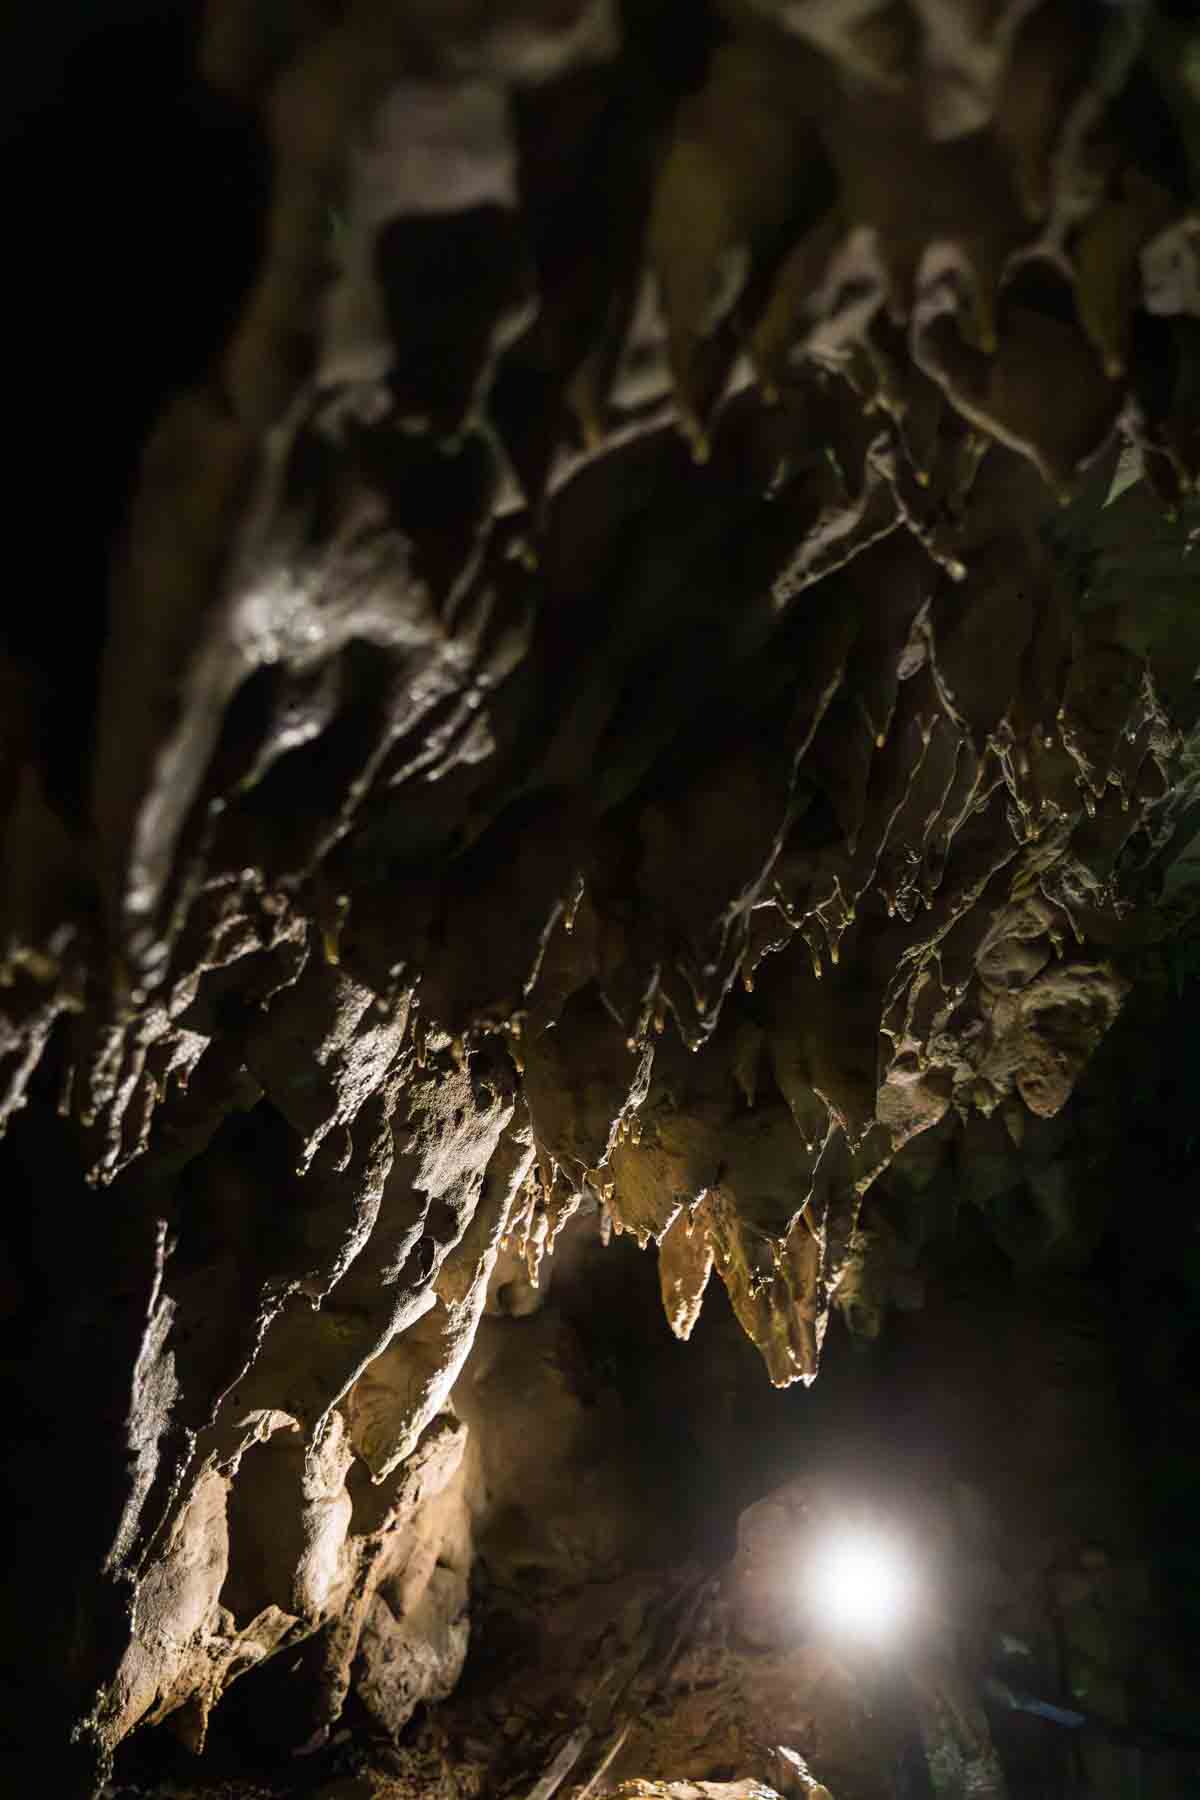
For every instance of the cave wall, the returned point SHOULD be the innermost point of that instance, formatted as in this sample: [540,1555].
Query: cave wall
[642,1512]
[636,646]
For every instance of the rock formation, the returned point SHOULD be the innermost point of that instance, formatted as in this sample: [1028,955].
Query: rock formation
[645,663]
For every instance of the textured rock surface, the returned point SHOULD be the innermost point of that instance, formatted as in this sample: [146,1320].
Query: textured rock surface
[647,659]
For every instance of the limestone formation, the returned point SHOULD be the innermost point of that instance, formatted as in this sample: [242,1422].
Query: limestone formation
[649,668]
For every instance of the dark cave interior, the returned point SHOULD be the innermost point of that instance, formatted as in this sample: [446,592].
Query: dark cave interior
[599,712]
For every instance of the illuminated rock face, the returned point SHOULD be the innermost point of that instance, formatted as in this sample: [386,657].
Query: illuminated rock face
[653,664]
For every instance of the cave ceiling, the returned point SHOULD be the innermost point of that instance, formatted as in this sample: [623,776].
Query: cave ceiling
[645,669]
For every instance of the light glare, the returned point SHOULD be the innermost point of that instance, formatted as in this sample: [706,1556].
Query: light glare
[861,1584]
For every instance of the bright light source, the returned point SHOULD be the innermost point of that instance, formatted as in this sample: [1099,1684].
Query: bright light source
[861,1583]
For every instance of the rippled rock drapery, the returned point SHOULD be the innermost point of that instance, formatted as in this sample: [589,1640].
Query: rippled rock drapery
[643,667]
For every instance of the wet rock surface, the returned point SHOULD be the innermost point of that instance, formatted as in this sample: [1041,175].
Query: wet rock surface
[634,677]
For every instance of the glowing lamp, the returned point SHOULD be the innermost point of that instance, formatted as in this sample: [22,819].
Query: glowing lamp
[861,1584]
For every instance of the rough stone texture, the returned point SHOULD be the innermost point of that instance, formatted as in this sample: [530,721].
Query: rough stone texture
[641,663]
